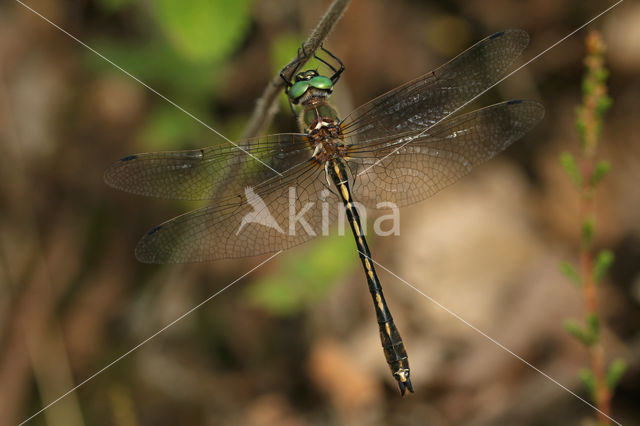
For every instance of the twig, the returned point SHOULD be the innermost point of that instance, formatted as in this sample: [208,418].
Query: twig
[587,173]
[592,121]
[266,107]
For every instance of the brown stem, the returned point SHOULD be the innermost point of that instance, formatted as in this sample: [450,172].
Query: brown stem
[591,120]
[602,393]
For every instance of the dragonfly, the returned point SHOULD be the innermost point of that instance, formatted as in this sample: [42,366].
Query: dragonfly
[401,147]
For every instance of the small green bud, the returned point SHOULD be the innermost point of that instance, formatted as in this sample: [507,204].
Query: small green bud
[600,171]
[603,104]
[589,381]
[569,164]
[576,330]
[615,372]
[588,231]
[593,327]
[570,272]
[603,262]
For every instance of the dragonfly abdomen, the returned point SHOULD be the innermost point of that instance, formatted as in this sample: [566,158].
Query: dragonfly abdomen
[392,344]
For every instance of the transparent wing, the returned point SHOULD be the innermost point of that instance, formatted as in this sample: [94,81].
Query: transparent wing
[277,214]
[426,163]
[211,172]
[424,101]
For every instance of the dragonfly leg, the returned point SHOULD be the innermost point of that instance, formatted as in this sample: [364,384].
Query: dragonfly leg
[286,75]
[336,72]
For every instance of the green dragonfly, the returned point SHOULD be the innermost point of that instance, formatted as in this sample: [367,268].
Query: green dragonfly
[401,147]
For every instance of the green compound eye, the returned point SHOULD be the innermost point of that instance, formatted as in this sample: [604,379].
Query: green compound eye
[321,82]
[298,89]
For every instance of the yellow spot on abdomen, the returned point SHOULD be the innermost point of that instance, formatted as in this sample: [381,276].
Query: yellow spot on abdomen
[356,228]
[345,192]
[379,302]
[388,329]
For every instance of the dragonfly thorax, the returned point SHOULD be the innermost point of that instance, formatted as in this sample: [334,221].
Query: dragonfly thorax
[317,116]
[319,121]
[326,138]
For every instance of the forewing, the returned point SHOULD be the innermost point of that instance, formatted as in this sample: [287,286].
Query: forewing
[208,173]
[256,222]
[410,167]
[426,100]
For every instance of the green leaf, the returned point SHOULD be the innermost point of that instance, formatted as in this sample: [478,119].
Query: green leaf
[589,381]
[159,66]
[587,86]
[167,128]
[588,231]
[581,126]
[576,331]
[203,30]
[601,75]
[593,328]
[283,49]
[570,272]
[615,373]
[589,336]
[603,104]
[600,171]
[570,166]
[304,278]
[604,260]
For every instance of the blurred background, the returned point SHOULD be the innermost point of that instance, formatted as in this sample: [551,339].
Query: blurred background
[296,342]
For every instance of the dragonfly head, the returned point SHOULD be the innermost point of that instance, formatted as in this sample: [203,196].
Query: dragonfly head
[309,84]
